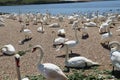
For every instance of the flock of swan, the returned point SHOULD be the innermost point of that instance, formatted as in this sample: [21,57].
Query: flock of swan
[79,23]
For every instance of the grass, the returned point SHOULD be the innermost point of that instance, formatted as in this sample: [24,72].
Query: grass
[93,74]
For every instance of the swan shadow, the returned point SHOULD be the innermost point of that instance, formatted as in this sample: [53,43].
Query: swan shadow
[25,40]
[67,69]
[105,46]
[116,74]
[70,55]
[2,55]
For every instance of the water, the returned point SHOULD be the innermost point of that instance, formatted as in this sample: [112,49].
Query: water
[65,8]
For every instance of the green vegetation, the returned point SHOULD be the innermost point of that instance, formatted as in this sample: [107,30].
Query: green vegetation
[21,2]
[93,74]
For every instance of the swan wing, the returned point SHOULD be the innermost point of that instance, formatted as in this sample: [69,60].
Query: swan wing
[115,57]
[50,70]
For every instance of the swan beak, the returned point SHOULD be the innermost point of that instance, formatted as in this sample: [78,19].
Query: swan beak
[34,49]
[17,59]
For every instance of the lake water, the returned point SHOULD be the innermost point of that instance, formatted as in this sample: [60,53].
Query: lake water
[65,8]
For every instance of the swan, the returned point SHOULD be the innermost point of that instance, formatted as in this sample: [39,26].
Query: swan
[41,29]
[106,37]
[70,43]
[54,25]
[114,44]
[28,33]
[75,24]
[78,62]
[84,32]
[115,58]
[90,24]
[49,70]
[59,41]
[104,27]
[8,49]
[17,60]
[61,32]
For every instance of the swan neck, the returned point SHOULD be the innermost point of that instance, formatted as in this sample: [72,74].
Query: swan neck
[41,56]
[67,56]
[76,36]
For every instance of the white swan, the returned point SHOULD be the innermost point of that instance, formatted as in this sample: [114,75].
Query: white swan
[70,43]
[115,58]
[17,60]
[8,49]
[41,29]
[90,24]
[78,62]
[49,70]
[104,27]
[106,37]
[61,32]
[28,33]
[54,25]
[59,41]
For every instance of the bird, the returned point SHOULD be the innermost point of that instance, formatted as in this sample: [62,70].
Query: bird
[48,70]
[58,41]
[17,60]
[70,43]
[115,58]
[8,49]
[105,38]
[78,62]
[54,25]
[41,29]
[61,32]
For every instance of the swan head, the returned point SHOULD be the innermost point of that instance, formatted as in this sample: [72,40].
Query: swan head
[36,47]
[3,49]
[17,59]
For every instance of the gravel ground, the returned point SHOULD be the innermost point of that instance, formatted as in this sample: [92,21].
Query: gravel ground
[89,48]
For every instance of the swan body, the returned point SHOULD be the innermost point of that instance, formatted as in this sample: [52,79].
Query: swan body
[75,24]
[106,35]
[90,24]
[55,25]
[104,27]
[78,62]
[8,49]
[49,70]
[115,58]
[60,40]
[40,29]
[61,32]
[25,78]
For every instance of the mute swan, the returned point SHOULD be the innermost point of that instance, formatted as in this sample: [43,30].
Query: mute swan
[49,70]
[106,37]
[104,27]
[70,43]
[78,62]
[28,33]
[114,44]
[75,24]
[84,32]
[54,25]
[8,49]
[90,24]
[17,59]
[59,41]
[41,29]
[115,58]
[61,32]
